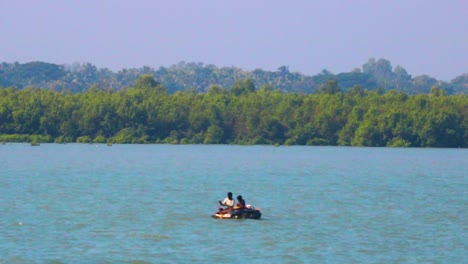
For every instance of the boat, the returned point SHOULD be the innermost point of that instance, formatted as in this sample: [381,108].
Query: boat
[249,212]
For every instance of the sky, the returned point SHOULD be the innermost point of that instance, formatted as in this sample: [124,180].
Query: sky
[423,36]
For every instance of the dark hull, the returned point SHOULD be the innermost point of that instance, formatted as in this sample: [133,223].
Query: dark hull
[240,214]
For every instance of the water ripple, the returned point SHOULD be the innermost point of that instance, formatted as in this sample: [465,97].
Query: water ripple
[152,204]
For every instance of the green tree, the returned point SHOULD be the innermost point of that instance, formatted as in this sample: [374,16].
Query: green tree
[243,87]
[214,135]
[331,87]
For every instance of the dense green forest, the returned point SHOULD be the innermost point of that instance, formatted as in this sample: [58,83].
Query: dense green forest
[374,74]
[241,114]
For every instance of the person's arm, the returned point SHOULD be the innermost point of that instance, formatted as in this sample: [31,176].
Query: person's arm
[223,202]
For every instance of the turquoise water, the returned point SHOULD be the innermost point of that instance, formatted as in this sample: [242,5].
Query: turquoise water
[78,203]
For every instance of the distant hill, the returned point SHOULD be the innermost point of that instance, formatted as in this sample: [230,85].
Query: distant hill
[374,74]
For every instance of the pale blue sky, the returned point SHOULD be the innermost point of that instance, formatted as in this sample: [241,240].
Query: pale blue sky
[423,36]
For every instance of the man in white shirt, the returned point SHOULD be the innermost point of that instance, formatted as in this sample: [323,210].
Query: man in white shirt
[228,202]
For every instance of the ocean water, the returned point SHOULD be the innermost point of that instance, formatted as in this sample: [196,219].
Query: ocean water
[80,203]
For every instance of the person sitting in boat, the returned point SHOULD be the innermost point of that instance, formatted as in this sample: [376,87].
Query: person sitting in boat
[240,203]
[228,203]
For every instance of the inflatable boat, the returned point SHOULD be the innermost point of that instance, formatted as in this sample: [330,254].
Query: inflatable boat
[249,212]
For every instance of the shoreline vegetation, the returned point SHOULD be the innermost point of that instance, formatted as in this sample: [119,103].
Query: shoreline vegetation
[147,113]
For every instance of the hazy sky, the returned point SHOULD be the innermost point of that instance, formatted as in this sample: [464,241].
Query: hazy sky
[424,36]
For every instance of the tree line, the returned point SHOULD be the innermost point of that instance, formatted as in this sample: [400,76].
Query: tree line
[374,74]
[241,114]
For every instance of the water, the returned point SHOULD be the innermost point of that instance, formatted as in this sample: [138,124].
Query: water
[152,204]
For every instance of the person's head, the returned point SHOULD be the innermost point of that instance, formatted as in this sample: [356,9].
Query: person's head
[229,194]
[239,197]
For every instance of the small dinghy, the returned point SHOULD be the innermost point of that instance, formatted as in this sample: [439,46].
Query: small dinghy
[249,212]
